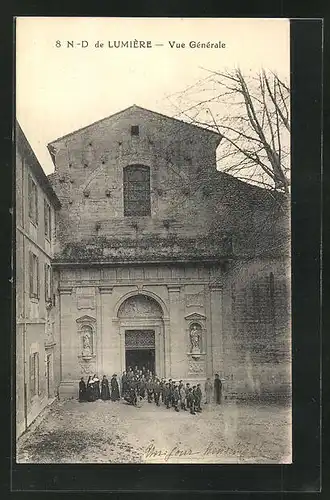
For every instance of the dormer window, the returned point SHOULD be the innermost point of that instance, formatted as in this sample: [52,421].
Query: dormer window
[135,130]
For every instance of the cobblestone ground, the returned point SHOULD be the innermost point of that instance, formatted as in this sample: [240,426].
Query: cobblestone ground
[108,432]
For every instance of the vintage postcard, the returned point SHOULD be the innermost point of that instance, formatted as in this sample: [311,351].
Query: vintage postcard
[153,319]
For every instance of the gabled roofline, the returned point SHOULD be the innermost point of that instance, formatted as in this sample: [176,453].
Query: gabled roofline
[123,111]
[23,145]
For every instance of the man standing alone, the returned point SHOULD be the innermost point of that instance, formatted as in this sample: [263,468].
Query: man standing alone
[208,391]
[217,389]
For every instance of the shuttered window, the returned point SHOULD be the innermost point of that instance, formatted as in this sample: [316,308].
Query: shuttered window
[47,220]
[137,190]
[33,200]
[48,283]
[34,275]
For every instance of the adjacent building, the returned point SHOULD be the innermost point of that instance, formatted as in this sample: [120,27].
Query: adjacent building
[37,346]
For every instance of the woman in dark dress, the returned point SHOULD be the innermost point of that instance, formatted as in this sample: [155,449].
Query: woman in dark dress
[90,392]
[82,390]
[105,392]
[114,388]
[96,383]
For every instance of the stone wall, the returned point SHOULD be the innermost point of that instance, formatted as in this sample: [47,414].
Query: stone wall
[190,198]
[245,337]
[260,347]
[185,296]
[90,162]
[198,216]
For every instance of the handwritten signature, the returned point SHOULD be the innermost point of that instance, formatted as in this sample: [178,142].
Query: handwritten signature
[176,452]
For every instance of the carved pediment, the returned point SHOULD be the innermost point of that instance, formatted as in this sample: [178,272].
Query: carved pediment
[86,319]
[195,317]
[140,306]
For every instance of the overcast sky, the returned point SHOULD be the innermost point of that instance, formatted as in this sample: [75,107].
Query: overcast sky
[62,89]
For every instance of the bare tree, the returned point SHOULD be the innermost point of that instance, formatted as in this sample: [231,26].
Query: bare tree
[252,115]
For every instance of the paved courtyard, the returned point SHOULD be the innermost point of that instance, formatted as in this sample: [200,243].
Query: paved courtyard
[108,432]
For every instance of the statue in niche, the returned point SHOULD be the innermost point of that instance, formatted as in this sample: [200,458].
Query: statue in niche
[87,348]
[195,339]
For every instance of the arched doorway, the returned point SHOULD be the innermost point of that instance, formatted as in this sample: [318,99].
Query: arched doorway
[141,328]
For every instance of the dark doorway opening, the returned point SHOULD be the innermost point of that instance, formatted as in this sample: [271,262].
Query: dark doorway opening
[140,358]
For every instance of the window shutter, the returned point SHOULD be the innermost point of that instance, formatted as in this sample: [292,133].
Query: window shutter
[50,282]
[45,219]
[36,202]
[49,222]
[37,276]
[30,196]
[31,272]
[45,281]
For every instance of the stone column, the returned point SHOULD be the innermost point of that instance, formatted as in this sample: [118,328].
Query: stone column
[216,328]
[228,339]
[208,334]
[68,355]
[108,336]
[167,348]
[99,334]
[176,333]
[121,333]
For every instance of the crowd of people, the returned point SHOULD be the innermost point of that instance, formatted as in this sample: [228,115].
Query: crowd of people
[139,384]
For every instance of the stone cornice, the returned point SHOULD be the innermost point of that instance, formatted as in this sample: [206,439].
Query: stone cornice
[86,319]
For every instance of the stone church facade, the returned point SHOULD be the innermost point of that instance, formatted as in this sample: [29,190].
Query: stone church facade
[153,248]
[138,251]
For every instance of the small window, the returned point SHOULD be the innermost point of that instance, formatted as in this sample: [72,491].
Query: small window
[47,218]
[137,190]
[33,201]
[34,276]
[135,130]
[48,283]
[34,374]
